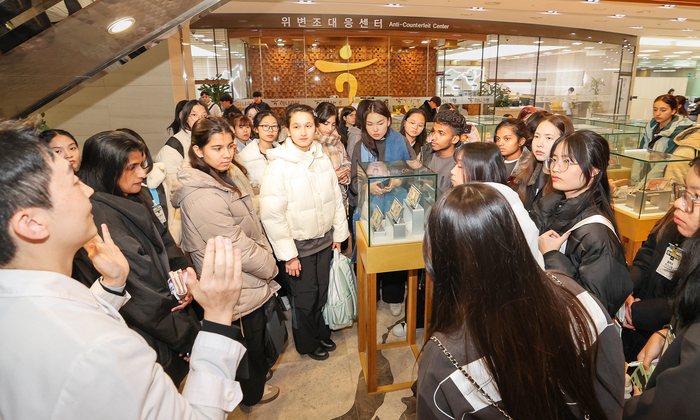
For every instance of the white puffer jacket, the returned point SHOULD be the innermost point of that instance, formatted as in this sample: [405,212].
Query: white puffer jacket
[300,198]
[254,161]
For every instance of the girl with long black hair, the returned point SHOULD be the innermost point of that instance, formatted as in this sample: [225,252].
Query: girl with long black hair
[507,339]
[579,233]
[413,129]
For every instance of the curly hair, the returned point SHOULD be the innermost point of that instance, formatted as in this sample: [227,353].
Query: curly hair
[452,119]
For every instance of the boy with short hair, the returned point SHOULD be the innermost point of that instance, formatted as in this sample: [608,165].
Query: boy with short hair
[444,140]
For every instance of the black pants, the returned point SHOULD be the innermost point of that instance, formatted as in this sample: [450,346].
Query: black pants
[309,293]
[253,326]
[392,285]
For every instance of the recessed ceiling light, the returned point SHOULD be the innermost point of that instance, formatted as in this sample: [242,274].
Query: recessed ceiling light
[687,30]
[551,12]
[588,48]
[668,6]
[644,55]
[618,16]
[198,35]
[538,42]
[592,1]
[280,44]
[207,39]
[681,19]
[573,33]
[682,52]
[474,45]
[121,25]
[577,43]
[305,1]
[646,51]
[476,9]
[637,27]
[394,5]
[425,42]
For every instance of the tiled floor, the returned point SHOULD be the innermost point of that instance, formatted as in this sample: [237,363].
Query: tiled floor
[335,388]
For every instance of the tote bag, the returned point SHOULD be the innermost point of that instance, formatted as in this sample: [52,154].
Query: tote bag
[341,308]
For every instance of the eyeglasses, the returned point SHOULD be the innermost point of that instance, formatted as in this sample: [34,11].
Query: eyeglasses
[687,200]
[270,127]
[564,164]
[416,124]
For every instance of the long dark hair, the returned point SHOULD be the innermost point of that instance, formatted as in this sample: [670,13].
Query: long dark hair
[176,125]
[359,116]
[202,133]
[482,161]
[565,126]
[149,160]
[518,127]
[489,288]
[532,122]
[590,151]
[344,113]
[686,300]
[374,107]
[187,110]
[420,140]
[48,135]
[105,156]
[681,105]
[324,111]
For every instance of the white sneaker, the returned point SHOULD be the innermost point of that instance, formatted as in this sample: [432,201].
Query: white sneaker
[399,330]
[395,309]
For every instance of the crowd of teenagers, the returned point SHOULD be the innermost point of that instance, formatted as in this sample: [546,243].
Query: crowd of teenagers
[535,310]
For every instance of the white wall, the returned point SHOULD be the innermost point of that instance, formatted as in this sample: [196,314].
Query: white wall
[137,95]
[646,89]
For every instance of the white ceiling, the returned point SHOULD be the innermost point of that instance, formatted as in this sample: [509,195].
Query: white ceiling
[656,21]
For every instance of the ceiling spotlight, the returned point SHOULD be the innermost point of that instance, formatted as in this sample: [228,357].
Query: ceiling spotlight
[577,43]
[573,33]
[207,39]
[305,1]
[618,16]
[394,5]
[668,6]
[279,44]
[680,19]
[682,52]
[588,48]
[198,35]
[476,9]
[687,30]
[121,25]
[551,12]
[637,27]
[592,1]
[425,42]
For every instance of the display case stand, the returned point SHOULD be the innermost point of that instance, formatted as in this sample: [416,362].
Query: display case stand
[634,231]
[383,259]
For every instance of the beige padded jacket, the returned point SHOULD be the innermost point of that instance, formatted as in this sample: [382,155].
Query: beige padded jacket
[209,209]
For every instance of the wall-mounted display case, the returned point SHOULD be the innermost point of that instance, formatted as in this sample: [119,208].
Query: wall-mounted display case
[394,199]
[649,175]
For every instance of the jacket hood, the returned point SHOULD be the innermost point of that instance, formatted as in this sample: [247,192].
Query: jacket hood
[289,152]
[190,180]
[136,212]
[677,124]
[689,137]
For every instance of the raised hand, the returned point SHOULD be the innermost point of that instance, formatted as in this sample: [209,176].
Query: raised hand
[107,259]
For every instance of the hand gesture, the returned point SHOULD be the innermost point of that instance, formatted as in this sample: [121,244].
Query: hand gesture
[188,297]
[107,259]
[551,241]
[652,349]
[219,288]
[293,267]
[343,174]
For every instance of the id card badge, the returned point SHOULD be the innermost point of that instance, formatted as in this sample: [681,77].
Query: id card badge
[669,264]
[160,214]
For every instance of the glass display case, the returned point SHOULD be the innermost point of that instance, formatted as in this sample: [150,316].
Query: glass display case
[394,200]
[649,176]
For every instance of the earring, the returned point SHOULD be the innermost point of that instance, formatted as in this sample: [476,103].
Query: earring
[201,157]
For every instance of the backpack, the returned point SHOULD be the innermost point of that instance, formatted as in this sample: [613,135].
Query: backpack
[341,308]
[175,144]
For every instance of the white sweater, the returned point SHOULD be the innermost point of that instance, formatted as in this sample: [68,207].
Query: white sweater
[300,198]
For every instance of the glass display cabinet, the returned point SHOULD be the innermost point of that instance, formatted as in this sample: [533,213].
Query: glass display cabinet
[648,190]
[394,199]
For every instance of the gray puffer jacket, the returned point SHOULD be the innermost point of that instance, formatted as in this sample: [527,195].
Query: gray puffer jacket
[209,209]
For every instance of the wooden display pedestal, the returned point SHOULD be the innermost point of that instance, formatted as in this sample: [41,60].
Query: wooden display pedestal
[383,259]
[634,231]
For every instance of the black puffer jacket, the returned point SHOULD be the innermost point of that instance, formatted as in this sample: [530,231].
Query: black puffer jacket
[654,310]
[152,253]
[593,255]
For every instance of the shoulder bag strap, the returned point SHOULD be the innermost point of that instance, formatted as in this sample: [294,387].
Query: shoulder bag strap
[597,218]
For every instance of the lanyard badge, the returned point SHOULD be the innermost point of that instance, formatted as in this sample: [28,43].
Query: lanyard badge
[670,262]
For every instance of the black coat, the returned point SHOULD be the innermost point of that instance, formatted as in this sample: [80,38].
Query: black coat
[654,310]
[673,389]
[152,254]
[593,255]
